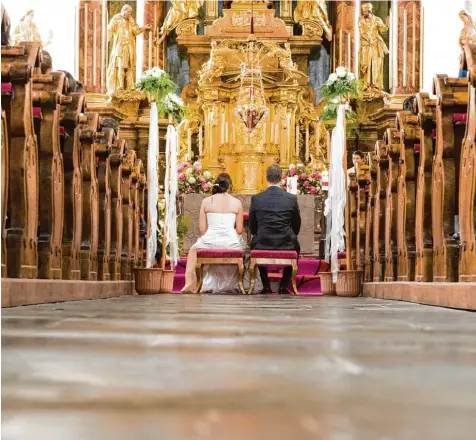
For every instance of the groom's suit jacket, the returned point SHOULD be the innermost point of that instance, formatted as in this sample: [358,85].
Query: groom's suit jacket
[274,220]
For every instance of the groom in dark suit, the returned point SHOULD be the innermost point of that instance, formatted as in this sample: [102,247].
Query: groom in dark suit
[275,222]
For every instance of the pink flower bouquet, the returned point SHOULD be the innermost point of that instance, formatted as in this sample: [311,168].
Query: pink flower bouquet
[193,179]
[308,182]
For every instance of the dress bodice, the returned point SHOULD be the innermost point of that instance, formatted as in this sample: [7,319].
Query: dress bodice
[221,221]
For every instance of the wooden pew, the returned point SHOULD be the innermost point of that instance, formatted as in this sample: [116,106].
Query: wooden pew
[423,229]
[363,181]
[47,98]
[117,157]
[5,177]
[392,140]
[407,124]
[467,179]
[127,216]
[73,121]
[370,219]
[380,209]
[353,230]
[18,64]
[103,150]
[90,220]
[136,175]
[452,99]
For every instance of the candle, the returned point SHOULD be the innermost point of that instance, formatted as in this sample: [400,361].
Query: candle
[317,127]
[222,131]
[233,132]
[189,150]
[297,140]
[200,141]
[307,143]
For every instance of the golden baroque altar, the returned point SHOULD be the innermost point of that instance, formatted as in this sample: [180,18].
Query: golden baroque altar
[213,132]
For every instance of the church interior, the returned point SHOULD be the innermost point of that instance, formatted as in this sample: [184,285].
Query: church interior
[117,119]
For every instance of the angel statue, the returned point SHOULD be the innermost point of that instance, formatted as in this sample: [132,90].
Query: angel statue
[26,30]
[181,10]
[313,10]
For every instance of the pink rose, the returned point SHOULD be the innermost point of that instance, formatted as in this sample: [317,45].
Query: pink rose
[307,184]
[179,169]
[303,176]
[313,190]
[184,165]
[189,190]
[293,171]
[313,176]
[202,180]
[198,166]
[319,175]
[181,177]
[205,186]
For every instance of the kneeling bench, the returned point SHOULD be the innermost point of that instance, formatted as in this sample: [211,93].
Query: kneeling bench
[260,257]
[220,256]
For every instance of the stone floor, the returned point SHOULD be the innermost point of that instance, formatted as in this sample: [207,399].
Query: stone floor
[238,368]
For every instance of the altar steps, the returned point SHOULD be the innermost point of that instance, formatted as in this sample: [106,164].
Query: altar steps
[307,281]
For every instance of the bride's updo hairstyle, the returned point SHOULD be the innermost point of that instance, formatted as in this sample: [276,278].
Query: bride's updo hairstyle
[222,184]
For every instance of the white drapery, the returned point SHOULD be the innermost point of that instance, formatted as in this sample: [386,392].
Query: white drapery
[335,203]
[170,190]
[152,183]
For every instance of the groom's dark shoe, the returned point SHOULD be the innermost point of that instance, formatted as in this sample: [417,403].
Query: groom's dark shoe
[266,291]
[283,291]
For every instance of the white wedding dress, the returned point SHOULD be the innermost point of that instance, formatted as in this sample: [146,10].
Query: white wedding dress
[221,234]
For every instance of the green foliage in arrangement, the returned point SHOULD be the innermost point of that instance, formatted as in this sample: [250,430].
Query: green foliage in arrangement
[340,88]
[171,105]
[156,83]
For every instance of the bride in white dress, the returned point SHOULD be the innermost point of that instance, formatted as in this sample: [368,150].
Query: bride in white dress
[221,226]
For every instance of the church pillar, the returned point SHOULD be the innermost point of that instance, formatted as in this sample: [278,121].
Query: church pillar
[92,45]
[343,43]
[406,47]
[211,12]
[154,55]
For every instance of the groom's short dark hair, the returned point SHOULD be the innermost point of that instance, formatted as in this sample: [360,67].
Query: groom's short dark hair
[273,174]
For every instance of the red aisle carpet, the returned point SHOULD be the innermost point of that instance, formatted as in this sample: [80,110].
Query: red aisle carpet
[306,286]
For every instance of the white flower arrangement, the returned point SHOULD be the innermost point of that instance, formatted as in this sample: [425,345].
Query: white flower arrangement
[172,105]
[156,83]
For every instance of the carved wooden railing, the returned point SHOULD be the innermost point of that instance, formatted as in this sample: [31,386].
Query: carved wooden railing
[72,193]
[415,221]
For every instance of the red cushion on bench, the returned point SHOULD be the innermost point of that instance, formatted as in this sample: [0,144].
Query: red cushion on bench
[220,253]
[341,255]
[281,254]
[460,117]
[7,87]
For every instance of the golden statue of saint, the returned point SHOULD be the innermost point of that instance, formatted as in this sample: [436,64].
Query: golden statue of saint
[313,10]
[26,30]
[122,31]
[372,48]
[181,10]
[467,35]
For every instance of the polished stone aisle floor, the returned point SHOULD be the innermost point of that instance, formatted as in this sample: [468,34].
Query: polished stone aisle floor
[175,367]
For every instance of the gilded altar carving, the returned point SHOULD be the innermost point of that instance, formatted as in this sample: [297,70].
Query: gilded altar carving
[187,28]
[180,11]
[312,16]
[244,19]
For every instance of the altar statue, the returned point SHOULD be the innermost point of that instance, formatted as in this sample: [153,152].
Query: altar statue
[372,49]
[467,35]
[122,31]
[26,30]
[181,10]
[313,10]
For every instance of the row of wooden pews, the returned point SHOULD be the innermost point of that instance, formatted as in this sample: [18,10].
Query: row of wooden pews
[412,209]
[73,194]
